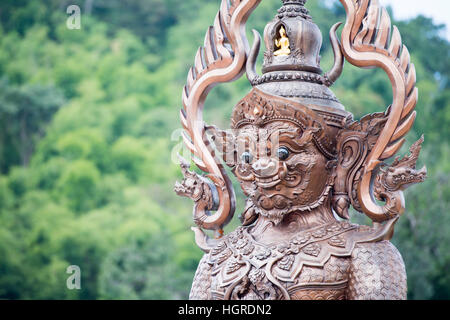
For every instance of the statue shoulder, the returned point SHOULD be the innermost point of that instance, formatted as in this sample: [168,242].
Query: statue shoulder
[377,272]
[202,281]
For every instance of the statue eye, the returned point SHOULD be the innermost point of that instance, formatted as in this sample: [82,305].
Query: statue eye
[247,157]
[283,153]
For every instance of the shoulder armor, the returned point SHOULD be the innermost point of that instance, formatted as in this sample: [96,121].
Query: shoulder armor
[377,272]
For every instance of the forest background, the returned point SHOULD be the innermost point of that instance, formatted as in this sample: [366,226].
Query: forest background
[88,122]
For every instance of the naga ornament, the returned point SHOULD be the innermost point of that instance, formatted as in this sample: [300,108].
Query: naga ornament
[301,159]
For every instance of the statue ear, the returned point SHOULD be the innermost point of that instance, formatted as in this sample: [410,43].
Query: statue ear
[350,157]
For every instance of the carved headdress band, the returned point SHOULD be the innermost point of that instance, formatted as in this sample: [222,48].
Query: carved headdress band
[260,108]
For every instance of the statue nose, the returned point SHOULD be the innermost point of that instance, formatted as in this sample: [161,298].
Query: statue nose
[265,167]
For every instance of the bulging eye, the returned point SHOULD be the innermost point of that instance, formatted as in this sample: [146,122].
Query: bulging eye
[247,157]
[283,153]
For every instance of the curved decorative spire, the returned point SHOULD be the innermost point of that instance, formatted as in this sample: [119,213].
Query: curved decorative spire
[369,41]
[221,59]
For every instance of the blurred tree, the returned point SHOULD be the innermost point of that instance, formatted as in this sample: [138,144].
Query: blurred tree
[78,186]
[143,269]
[436,56]
[24,113]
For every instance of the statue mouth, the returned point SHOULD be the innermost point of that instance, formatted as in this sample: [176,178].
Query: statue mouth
[267,182]
[270,181]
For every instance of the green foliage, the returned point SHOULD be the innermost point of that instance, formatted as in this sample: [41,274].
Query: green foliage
[135,270]
[78,185]
[86,170]
[24,112]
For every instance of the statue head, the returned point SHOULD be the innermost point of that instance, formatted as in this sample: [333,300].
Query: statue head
[284,154]
[294,147]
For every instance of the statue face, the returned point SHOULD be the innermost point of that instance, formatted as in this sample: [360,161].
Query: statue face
[280,168]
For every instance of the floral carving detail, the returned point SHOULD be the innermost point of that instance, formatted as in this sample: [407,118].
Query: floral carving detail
[302,239]
[282,247]
[224,256]
[262,254]
[337,241]
[233,265]
[322,232]
[286,263]
[294,249]
[334,227]
[220,247]
[256,276]
[236,236]
[248,249]
[312,249]
[241,243]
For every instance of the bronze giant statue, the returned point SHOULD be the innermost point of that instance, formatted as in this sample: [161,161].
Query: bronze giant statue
[301,160]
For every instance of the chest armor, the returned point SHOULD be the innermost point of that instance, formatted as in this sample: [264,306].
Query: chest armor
[313,265]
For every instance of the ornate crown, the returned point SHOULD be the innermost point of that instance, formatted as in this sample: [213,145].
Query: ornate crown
[291,66]
[292,76]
